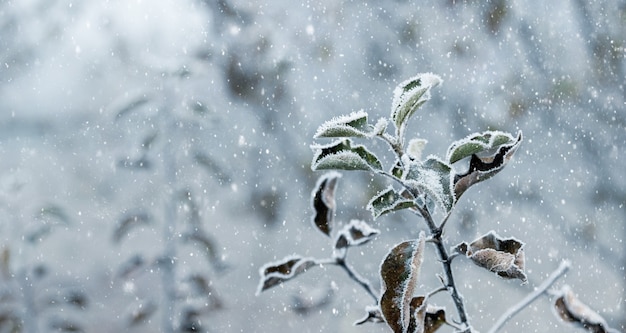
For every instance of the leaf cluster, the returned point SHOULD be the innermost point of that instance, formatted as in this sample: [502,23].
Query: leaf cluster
[423,187]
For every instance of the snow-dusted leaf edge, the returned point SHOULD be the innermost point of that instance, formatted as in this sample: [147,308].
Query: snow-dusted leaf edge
[503,256]
[399,272]
[387,201]
[342,155]
[275,273]
[352,125]
[355,233]
[410,94]
[323,202]
[570,309]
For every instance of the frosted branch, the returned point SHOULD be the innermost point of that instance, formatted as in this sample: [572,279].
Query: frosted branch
[563,268]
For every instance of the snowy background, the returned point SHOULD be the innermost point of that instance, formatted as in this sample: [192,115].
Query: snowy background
[135,131]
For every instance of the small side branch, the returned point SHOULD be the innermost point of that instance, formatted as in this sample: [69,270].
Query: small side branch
[358,278]
[563,268]
[352,274]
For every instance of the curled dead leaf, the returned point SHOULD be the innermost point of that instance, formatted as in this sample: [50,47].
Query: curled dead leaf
[323,202]
[503,256]
[486,159]
[273,274]
[357,232]
[570,309]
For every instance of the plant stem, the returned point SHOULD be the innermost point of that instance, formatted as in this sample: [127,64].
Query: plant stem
[563,267]
[436,234]
[341,262]
[358,278]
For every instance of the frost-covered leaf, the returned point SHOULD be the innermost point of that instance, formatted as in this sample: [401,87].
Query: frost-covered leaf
[341,155]
[323,202]
[352,125]
[487,162]
[399,272]
[275,273]
[128,222]
[571,310]
[373,316]
[478,143]
[415,148]
[388,201]
[503,256]
[357,232]
[410,95]
[433,178]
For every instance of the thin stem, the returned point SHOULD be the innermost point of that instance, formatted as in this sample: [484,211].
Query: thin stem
[352,274]
[446,261]
[358,278]
[436,235]
[563,267]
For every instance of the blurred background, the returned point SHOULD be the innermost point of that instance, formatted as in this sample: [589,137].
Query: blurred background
[155,154]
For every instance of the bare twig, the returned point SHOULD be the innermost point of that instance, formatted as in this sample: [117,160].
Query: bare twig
[358,278]
[563,267]
[352,274]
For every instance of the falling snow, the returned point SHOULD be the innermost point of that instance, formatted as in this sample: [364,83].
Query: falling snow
[198,116]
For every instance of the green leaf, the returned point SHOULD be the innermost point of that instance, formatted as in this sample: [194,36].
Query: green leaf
[388,201]
[486,164]
[352,125]
[323,202]
[410,95]
[341,155]
[433,178]
[273,274]
[478,143]
[399,272]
